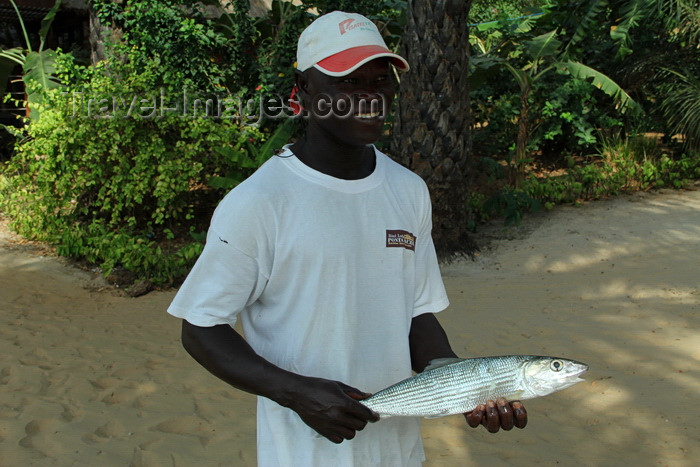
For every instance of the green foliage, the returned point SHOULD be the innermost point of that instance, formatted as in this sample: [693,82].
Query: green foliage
[511,204]
[570,114]
[252,158]
[552,108]
[382,12]
[681,108]
[623,165]
[484,11]
[119,188]
[565,117]
[679,21]
[495,115]
[37,65]
[646,34]
[602,82]
[189,50]
[277,35]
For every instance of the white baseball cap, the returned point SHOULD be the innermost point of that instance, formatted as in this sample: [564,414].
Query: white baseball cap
[338,43]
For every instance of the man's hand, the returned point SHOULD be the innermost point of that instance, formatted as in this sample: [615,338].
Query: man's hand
[497,415]
[331,408]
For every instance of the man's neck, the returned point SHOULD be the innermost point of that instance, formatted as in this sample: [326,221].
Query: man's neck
[334,158]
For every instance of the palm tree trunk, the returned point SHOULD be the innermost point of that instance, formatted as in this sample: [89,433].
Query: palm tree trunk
[100,34]
[431,133]
[97,47]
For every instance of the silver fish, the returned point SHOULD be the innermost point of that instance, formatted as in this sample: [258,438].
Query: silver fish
[454,386]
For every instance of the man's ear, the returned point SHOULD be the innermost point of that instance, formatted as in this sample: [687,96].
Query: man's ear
[301,81]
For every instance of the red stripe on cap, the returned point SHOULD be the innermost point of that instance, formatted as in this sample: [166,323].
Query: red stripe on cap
[347,59]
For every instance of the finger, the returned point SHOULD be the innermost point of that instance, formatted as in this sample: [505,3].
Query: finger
[362,413]
[519,414]
[359,396]
[353,423]
[505,412]
[475,417]
[353,392]
[493,423]
[338,434]
[330,435]
[347,433]
[359,410]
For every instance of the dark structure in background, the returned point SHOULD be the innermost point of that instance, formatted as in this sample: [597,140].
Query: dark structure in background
[70,32]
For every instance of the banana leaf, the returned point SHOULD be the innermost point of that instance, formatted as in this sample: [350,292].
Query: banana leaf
[8,62]
[588,21]
[543,46]
[16,55]
[39,68]
[46,23]
[602,82]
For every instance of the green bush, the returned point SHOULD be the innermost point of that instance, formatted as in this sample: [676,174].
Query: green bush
[570,113]
[563,109]
[108,175]
[191,49]
[624,165]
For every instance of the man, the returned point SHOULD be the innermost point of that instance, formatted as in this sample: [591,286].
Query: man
[325,254]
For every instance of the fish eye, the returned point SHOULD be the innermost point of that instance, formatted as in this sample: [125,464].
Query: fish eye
[556,365]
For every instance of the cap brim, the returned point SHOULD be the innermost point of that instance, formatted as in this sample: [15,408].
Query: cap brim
[347,61]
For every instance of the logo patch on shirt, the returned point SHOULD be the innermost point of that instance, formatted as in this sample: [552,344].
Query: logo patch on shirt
[400,239]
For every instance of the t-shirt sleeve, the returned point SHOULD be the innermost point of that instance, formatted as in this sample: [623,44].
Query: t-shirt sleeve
[430,294]
[230,274]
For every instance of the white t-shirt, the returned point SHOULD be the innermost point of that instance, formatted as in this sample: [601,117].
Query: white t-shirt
[326,276]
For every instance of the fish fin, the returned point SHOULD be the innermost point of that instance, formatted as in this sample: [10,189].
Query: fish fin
[434,416]
[439,362]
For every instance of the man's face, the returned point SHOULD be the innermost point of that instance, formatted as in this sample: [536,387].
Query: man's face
[352,108]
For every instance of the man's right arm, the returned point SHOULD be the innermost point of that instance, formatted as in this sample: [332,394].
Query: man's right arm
[329,407]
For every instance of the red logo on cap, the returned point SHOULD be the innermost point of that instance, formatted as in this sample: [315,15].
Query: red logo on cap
[350,24]
[343,25]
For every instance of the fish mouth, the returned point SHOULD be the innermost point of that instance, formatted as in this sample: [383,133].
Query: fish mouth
[576,377]
[573,376]
[575,368]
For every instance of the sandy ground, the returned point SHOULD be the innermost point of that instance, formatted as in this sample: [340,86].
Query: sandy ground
[89,377]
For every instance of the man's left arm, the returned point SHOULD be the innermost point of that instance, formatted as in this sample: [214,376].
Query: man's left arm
[428,341]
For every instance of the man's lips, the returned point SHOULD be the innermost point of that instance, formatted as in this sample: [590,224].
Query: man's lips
[369,108]
[369,115]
